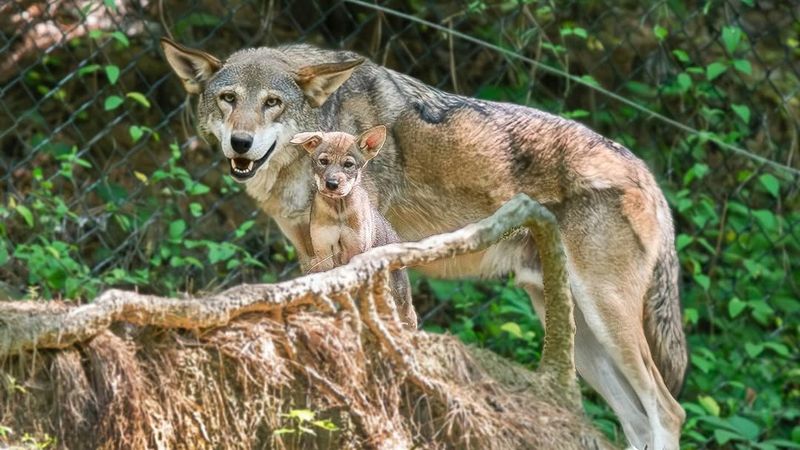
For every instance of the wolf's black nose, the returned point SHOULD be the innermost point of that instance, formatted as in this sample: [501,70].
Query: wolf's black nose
[241,142]
[331,184]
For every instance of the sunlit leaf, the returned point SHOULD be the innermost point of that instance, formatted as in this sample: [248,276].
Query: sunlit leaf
[709,404]
[26,214]
[731,37]
[771,184]
[112,102]
[742,111]
[138,97]
[735,307]
[112,72]
[714,70]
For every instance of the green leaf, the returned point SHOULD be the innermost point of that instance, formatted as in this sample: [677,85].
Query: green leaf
[681,55]
[280,431]
[684,81]
[660,32]
[702,363]
[703,281]
[580,32]
[731,37]
[709,404]
[742,111]
[3,252]
[198,189]
[112,102]
[121,38]
[176,229]
[682,241]
[771,184]
[778,348]
[735,307]
[222,252]
[110,4]
[196,209]
[139,98]
[325,425]
[766,218]
[136,132]
[513,329]
[112,72]
[714,70]
[753,349]
[724,436]
[304,415]
[743,65]
[244,228]
[91,68]
[26,214]
[691,315]
[779,443]
[588,79]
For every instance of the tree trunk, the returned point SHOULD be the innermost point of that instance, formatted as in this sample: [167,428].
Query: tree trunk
[139,371]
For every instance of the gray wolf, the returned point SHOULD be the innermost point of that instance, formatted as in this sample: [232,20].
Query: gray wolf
[343,222]
[450,160]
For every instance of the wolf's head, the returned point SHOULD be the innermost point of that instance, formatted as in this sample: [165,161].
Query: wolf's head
[253,102]
[339,158]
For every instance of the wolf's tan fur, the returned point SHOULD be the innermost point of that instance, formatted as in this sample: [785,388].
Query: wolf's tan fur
[451,160]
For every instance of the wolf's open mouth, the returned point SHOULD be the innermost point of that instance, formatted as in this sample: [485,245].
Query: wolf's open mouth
[243,168]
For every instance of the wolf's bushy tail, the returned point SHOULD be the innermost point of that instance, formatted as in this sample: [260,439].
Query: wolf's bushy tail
[662,319]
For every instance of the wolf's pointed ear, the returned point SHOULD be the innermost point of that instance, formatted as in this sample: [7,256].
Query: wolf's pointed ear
[320,81]
[371,141]
[193,67]
[309,140]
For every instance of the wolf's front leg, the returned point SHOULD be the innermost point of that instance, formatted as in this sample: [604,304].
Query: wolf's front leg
[299,234]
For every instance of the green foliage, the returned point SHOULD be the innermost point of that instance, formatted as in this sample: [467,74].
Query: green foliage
[303,422]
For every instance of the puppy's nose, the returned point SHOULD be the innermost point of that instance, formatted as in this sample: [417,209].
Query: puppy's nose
[332,183]
[241,142]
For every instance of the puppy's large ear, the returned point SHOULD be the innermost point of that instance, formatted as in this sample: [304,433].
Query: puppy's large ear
[308,140]
[320,81]
[371,141]
[193,67]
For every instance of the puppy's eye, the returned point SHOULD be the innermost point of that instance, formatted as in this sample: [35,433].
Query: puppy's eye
[348,164]
[272,102]
[324,161]
[228,97]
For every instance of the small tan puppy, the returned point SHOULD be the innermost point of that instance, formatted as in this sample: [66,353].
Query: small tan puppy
[343,221]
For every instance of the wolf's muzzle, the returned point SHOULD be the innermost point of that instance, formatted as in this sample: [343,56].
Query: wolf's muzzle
[244,168]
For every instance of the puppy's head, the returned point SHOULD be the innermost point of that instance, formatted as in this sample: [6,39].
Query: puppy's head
[340,157]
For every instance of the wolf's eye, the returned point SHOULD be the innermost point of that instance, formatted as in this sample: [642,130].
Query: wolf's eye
[272,102]
[324,161]
[228,97]
[348,164]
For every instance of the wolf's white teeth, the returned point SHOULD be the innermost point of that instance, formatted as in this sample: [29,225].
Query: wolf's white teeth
[250,166]
[233,164]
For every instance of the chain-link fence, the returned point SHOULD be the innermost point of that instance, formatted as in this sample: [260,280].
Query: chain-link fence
[105,184]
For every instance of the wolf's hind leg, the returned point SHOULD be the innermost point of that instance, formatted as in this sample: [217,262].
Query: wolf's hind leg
[597,367]
[614,333]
